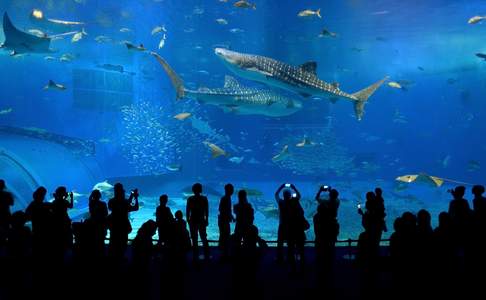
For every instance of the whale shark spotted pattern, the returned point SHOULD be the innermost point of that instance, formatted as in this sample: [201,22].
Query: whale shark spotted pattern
[302,79]
[234,97]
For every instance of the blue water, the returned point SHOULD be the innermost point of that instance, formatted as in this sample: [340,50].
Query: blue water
[433,124]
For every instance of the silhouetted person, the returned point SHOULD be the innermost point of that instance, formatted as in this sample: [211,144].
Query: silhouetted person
[118,220]
[479,232]
[18,253]
[373,221]
[40,214]
[326,229]
[444,259]
[97,224]
[245,265]
[479,205]
[143,251]
[461,218]
[142,245]
[284,218]
[6,201]
[369,241]
[244,217]
[19,237]
[197,212]
[425,249]
[61,220]
[296,227]
[225,217]
[181,239]
[403,252]
[165,221]
[172,273]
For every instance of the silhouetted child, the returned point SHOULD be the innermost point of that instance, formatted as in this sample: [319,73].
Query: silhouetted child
[142,246]
[225,217]
[165,221]
[197,212]
[246,261]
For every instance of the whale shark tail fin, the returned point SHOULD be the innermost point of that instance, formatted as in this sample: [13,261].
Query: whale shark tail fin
[361,97]
[174,78]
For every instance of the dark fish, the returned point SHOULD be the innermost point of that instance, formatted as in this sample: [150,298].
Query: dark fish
[481,55]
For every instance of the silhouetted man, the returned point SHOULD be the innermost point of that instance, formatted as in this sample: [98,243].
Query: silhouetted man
[225,217]
[118,220]
[165,221]
[197,212]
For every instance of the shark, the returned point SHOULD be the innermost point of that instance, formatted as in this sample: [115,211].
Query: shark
[298,79]
[19,42]
[235,97]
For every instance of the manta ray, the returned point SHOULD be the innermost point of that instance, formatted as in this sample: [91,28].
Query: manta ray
[19,42]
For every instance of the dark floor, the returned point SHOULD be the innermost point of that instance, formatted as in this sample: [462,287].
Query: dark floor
[206,280]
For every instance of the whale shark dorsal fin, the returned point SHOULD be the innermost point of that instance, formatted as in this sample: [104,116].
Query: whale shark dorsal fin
[310,67]
[230,81]
[51,83]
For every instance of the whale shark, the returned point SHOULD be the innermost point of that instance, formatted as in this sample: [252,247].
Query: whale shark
[19,42]
[235,97]
[299,79]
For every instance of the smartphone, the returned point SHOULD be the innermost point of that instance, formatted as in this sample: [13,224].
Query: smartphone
[287,185]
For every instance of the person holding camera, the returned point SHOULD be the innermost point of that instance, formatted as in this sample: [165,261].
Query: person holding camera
[292,223]
[197,213]
[118,220]
[61,222]
[326,226]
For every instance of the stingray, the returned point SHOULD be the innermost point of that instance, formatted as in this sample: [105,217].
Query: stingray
[433,180]
[19,42]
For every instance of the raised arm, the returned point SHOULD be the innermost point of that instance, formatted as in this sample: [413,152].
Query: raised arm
[318,195]
[71,200]
[277,193]
[296,191]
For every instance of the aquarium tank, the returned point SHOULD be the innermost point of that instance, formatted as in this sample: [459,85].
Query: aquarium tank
[160,94]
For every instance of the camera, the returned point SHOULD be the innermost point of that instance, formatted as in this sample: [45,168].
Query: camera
[287,185]
[294,195]
[326,188]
